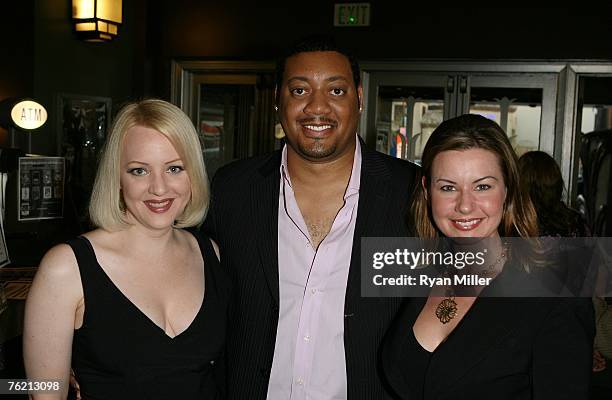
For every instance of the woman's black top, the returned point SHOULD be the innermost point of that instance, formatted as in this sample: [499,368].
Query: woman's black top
[503,348]
[119,353]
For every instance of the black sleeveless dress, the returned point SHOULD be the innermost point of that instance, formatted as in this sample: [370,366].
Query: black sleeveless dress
[119,353]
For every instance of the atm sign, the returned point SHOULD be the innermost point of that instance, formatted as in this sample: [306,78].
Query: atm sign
[28,115]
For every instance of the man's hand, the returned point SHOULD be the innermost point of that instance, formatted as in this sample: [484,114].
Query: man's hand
[75,385]
[599,362]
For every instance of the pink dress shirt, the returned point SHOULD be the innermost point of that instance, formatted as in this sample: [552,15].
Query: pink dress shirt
[309,360]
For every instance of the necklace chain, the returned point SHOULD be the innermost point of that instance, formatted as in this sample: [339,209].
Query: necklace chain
[447,308]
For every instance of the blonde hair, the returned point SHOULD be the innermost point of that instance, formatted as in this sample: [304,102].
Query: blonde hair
[106,207]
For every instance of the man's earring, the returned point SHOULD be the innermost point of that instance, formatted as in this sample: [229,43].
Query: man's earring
[276,108]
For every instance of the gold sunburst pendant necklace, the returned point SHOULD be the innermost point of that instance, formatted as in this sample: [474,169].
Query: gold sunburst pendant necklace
[447,308]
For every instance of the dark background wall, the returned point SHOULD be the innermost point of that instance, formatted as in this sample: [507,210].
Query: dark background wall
[42,58]
[260,30]
[398,30]
[65,64]
[17,56]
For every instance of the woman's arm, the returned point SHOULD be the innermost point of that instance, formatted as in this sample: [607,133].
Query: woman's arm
[563,352]
[51,308]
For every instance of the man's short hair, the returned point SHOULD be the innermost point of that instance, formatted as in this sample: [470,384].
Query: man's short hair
[312,44]
[107,208]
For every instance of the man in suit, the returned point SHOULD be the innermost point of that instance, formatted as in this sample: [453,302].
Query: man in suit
[289,227]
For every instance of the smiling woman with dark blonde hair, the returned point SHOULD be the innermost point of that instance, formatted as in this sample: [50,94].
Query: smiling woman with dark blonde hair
[476,132]
[137,307]
[478,347]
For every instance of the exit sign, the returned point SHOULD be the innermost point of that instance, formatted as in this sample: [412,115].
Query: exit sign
[352,14]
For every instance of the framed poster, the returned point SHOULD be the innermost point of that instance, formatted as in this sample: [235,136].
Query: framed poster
[82,120]
[83,123]
[41,188]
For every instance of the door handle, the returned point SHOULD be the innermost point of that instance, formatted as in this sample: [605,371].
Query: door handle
[463,83]
[450,84]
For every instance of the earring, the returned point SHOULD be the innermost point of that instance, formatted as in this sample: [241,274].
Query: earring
[276,108]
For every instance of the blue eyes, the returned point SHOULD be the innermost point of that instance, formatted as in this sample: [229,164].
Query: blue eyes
[141,171]
[137,171]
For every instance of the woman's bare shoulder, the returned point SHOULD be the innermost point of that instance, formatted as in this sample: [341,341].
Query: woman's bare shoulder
[58,275]
[60,261]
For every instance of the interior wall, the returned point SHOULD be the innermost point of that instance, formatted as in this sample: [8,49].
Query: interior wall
[260,31]
[65,64]
[43,58]
[398,30]
[17,43]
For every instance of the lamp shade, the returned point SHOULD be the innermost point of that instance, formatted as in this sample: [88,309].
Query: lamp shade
[97,20]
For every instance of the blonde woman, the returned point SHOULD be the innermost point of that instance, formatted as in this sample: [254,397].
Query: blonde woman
[137,307]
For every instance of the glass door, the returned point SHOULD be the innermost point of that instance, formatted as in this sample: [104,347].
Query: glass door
[403,108]
[594,128]
[231,104]
[225,118]
[402,111]
[522,104]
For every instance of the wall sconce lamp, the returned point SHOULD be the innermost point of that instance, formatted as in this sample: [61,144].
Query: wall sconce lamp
[97,20]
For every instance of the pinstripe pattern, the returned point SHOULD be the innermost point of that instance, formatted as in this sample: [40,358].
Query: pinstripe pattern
[243,219]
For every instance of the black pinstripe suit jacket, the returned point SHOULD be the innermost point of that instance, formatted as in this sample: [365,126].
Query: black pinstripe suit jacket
[243,219]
